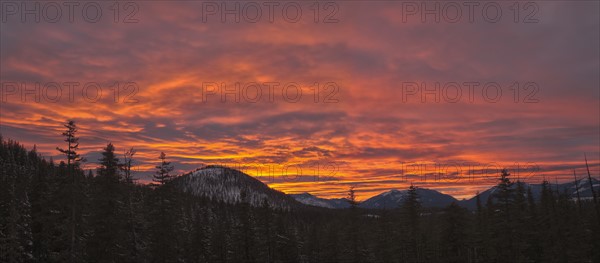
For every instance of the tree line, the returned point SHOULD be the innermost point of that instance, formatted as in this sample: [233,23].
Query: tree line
[59,212]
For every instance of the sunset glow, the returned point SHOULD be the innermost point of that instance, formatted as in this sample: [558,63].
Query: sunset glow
[379,107]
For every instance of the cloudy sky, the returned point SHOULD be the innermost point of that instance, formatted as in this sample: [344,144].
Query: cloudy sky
[359,93]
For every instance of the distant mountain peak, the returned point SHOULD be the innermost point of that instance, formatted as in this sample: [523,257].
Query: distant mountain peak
[221,183]
[393,191]
[394,198]
[583,185]
[386,200]
[309,199]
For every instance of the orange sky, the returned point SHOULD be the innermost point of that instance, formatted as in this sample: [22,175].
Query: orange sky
[369,129]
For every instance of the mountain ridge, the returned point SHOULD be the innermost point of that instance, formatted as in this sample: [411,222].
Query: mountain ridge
[536,189]
[231,186]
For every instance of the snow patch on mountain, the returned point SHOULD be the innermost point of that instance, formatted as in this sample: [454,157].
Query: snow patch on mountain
[582,185]
[312,200]
[394,198]
[228,185]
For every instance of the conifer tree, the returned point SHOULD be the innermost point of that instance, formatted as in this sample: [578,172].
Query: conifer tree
[133,219]
[353,230]
[16,238]
[245,228]
[480,238]
[411,210]
[454,233]
[352,198]
[105,241]
[162,175]
[502,225]
[266,232]
[75,252]
[164,209]
[73,158]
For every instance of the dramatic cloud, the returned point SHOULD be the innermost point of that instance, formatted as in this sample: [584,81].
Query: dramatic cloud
[369,110]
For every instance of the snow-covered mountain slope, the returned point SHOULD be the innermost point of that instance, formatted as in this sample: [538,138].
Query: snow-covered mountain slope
[387,200]
[393,199]
[583,185]
[308,199]
[227,185]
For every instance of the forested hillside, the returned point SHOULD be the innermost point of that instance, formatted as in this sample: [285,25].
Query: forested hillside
[57,212]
